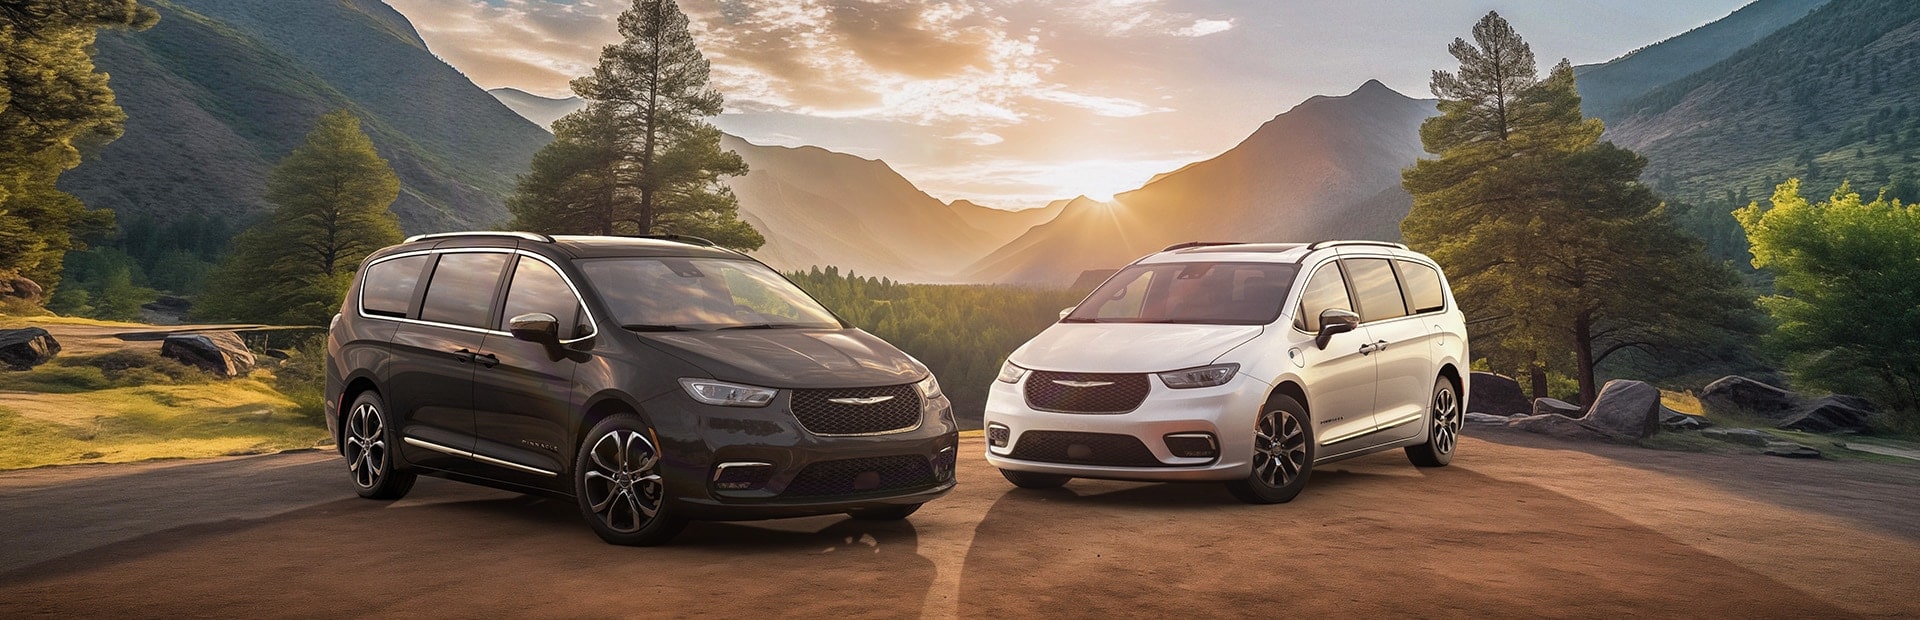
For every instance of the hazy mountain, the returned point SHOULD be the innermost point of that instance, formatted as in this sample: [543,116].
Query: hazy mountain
[220,90]
[543,111]
[1835,95]
[1606,88]
[1328,168]
[1002,225]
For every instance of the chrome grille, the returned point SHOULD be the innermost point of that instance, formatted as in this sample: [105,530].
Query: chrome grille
[860,411]
[1084,392]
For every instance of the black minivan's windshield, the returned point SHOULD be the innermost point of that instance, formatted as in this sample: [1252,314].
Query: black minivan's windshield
[674,294]
[1199,293]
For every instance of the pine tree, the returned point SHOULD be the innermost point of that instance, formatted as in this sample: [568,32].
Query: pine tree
[332,198]
[641,157]
[52,102]
[1552,245]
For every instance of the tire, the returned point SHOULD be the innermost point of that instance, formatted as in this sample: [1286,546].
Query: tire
[366,440]
[1443,427]
[1031,480]
[1283,454]
[617,484]
[885,513]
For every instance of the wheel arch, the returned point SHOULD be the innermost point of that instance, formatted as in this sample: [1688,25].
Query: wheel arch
[1293,389]
[355,386]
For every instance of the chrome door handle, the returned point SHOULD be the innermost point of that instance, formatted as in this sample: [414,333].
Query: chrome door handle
[487,360]
[1373,347]
[463,356]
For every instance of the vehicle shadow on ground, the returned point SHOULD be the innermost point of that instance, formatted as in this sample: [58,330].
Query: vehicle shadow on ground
[1370,537]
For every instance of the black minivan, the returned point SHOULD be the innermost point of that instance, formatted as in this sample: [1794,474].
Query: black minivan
[651,380]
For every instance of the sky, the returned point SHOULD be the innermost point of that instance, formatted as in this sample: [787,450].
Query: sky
[1014,103]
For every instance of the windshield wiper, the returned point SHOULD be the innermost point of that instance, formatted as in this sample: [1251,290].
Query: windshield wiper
[769,326]
[643,327]
[1078,320]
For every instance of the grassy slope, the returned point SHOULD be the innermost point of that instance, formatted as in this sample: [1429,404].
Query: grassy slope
[1608,87]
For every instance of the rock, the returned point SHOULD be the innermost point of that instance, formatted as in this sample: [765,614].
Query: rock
[1744,436]
[1496,394]
[22,288]
[1627,407]
[1556,425]
[1676,421]
[1487,419]
[1791,450]
[24,348]
[1830,414]
[1737,395]
[219,352]
[1543,406]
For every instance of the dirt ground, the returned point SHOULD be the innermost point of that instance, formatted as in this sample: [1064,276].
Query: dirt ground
[1518,526]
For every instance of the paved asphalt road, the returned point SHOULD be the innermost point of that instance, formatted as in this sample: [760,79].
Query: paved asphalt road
[1519,526]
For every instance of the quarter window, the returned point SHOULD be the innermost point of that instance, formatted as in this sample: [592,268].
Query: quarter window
[461,292]
[388,287]
[1422,283]
[536,287]
[1325,291]
[1376,288]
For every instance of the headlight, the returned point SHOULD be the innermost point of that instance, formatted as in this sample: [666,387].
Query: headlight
[929,387]
[1010,373]
[727,394]
[1204,376]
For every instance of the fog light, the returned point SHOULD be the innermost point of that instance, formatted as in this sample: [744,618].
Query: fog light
[997,435]
[741,476]
[1193,445]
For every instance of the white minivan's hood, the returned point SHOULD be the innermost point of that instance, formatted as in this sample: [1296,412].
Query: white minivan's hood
[1129,347]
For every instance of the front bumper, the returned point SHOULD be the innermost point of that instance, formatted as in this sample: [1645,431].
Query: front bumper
[1228,412]
[879,470]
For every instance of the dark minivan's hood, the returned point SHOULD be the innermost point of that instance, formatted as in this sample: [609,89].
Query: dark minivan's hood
[793,358]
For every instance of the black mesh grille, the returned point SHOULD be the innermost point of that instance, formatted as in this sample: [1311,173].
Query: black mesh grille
[1102,393]
[821,416]
[741,477]
[862,476]
[1084,449]
[997,436]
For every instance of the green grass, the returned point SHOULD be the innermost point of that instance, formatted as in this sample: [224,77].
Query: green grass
[1690,441]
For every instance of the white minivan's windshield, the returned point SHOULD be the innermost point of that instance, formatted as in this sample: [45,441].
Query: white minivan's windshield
[1200,293]
[691,294]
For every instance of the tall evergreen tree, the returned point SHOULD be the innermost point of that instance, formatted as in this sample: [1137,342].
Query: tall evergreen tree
[1553,246]
[52,103]
[641,157]
[332,200]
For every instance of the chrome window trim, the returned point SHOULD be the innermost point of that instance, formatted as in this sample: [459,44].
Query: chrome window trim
[359,306]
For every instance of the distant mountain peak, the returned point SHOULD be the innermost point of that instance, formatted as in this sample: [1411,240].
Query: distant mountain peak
[1374,87]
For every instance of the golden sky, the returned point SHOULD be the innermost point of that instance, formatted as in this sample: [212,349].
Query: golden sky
[1012,103]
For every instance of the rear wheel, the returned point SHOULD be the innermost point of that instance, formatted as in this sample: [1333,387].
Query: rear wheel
[367,443]
[616,480]
[1443,428]
[884,513]
[1282,454]
[1031,480]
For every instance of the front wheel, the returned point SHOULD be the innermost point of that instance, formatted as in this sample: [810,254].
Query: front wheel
[1282,454]
[367,444]
[1443,428]
[616,480]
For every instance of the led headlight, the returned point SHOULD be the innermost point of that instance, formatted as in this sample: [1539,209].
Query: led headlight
[727,394]
[1010,373]
[1204,376]
[929,387]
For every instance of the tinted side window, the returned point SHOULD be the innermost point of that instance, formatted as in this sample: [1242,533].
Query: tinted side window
[1423,287]
[1377,289]
[1326,290]
[461,291]
[536,287]
[389,285]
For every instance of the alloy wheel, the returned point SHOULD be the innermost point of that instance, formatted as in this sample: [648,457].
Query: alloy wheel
[1446,420]
[366,445]
[1280,448]
[621,484]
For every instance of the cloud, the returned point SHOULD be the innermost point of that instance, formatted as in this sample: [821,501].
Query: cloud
[1203,27]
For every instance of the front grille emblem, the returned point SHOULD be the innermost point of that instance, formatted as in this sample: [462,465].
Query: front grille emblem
[870,400]
[1082,384]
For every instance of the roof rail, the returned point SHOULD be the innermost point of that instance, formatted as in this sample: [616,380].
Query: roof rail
[1338,242]
[484,233]
[687,239]
[1196,244]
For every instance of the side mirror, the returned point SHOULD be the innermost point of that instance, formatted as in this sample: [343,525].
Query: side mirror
[1066,311]
[1335,321]
[537,327]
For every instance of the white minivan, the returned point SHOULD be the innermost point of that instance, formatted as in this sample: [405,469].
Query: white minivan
[1247,363]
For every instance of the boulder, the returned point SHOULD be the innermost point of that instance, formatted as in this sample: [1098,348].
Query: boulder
[24,348]
[1542,406]
[1744,436]
[1830,414]
[1486,419]
[1626,407]
[1737,395]
[1496,394]
[21,287]
[1556,425]
[1676,421]
[1791,450]
[221,353]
